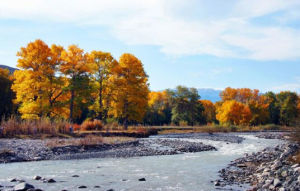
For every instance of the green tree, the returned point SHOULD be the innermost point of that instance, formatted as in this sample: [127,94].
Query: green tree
[6,94]
[274,107]
[185,106]
[288,107]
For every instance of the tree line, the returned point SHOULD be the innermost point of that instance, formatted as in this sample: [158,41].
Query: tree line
[72,84]
[241,106]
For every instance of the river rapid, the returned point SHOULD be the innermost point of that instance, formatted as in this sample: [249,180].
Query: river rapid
[189,171]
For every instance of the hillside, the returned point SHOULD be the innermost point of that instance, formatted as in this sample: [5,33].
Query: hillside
[209,94]
[11,69]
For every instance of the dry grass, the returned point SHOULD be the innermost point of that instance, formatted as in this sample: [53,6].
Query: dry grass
[219,128]
[88,140]
[14,127]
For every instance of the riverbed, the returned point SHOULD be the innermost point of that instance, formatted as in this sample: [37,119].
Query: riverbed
[188,171]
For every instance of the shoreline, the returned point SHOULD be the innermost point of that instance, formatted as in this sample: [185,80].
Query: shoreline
[269,169]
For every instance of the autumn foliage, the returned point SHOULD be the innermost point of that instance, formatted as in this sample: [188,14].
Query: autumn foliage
[72,84]
[93,88]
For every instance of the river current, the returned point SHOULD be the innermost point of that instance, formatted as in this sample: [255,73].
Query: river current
[182,172]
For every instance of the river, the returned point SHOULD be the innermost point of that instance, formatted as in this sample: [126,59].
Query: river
[183,172]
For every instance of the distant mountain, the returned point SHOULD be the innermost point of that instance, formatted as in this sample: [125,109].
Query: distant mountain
[11,69]
[209,94]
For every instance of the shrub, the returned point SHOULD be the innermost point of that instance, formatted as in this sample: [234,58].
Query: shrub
[76,127]
[91,125]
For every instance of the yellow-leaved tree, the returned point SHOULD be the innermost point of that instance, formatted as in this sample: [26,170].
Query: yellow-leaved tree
[209,111]
[36,84]
[130,96]
[233,112]
[75,68]
[102,64]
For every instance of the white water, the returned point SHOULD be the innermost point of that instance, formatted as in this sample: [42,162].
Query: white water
[192,171]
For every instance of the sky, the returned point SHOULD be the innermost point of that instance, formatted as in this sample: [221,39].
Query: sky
[196,43]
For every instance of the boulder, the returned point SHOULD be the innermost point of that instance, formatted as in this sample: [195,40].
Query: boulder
[142,179]
[23,187]
[82,187]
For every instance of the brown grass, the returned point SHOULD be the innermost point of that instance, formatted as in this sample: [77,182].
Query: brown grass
[218,128]
[14,127]
[88,140]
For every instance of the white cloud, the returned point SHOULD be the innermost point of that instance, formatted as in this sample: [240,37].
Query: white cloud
[294,86]
[227,33]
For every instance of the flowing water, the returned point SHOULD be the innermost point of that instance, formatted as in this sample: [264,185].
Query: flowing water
[192,171]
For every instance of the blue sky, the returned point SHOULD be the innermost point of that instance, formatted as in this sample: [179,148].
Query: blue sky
[197,43]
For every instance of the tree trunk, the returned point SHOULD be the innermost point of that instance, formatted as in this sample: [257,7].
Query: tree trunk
[100,116]
[71,105]
[125,124]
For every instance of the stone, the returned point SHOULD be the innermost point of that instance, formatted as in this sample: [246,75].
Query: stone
[82,187]
[96,186]
[142,179]
[295,165]
[37,178]
[277,182]
[297,169]
[110,189]
[75,176]
[284,173]
[242,165]
[50,180]
[217,183]
[13,180]
[23,187]
[281,189]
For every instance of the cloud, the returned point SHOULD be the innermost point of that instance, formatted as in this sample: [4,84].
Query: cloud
[177,27]
[289,86]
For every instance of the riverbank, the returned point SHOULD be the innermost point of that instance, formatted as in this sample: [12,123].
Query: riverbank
[20,150]
[270,169]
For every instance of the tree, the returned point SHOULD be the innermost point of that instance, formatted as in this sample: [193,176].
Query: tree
[76,69]
[37,85]
[131,90]
[102,64]
[233,112]
[185,106]
[209,112]
[273,107]
[288,102]
[6,94]
[159,109]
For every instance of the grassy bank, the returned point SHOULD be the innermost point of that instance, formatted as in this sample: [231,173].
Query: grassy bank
[220,128]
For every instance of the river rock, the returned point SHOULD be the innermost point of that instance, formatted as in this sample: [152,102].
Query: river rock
[277,182]
[37,178]
[75,176]
[82,187]
[142,179]
[23,187]
[50,180]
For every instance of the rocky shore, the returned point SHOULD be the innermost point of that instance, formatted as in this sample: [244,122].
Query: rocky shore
[17,150]
[269,169]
